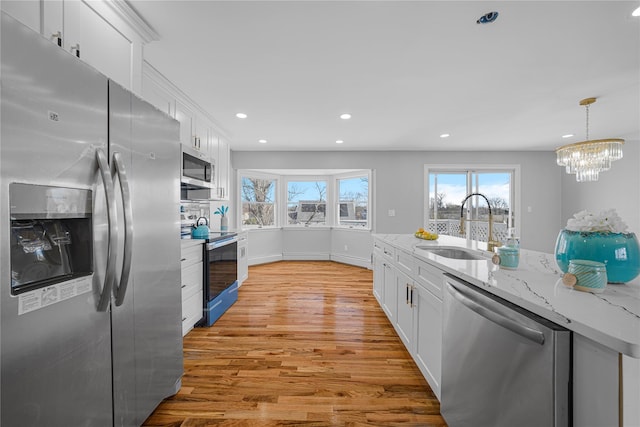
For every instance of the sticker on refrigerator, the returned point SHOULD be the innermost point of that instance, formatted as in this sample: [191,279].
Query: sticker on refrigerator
[35,300]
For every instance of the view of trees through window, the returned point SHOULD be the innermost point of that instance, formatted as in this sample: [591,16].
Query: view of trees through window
[335,200]
[306,203]
[258,201]
[447,190]
[353,202]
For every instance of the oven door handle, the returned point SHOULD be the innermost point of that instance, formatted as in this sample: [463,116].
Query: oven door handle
[473,304]
[221,243]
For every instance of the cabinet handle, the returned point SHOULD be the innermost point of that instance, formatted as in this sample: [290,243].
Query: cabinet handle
[411,300]
[183,286]
[406,299]
[182,259]
[58,37]
[184,318]
[76,48]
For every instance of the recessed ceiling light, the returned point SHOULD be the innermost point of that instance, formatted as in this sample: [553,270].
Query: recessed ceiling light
[569,135]
[262,141]
[345,116]
[445,135]
[241,115]
[339,141]
[636,12]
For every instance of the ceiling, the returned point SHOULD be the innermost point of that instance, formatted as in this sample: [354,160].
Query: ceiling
[406,71]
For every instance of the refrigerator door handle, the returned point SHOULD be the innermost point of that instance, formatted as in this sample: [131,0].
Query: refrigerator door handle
[121,290]
[103,167]
[522,330]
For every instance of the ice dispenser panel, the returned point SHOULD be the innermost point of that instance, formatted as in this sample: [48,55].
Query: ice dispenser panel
[51,235]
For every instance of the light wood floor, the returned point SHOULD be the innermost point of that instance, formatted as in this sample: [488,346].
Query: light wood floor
[306,344]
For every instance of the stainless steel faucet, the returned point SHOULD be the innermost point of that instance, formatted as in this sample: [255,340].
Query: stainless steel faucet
[491,243]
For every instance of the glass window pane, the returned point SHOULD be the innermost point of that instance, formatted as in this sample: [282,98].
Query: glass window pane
[447,190]
[353,206]
[306,202]
[258,202]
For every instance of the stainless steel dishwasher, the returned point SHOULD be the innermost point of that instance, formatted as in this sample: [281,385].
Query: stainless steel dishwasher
[501,365]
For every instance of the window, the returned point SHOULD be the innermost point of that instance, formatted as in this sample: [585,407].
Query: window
[305,198]
[353,201]
[258,202]
[307,202]
[447,187]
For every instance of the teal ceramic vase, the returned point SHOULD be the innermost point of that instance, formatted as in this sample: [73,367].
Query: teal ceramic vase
[618,251]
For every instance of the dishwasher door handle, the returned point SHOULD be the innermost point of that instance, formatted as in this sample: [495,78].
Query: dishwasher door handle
[470,302]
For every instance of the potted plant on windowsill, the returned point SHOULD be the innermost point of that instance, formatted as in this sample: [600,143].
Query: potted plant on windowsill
[603,238]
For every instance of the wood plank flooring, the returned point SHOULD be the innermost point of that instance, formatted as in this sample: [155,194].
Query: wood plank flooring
[306,344]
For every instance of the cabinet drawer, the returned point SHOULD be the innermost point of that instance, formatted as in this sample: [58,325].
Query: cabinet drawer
[192,277]
[191,255]
[189,290]
[191,312]
[387,250]
[429,276]
[404,261]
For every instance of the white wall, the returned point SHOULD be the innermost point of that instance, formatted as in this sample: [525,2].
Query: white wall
[399,183]
[617,188]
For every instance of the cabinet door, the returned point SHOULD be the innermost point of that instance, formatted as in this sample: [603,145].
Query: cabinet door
[200,136]
[428,336]
[406,300]
[155,95]
[378,278]
[389,295]
[243,257]
[185,116]
[223,169]
[25,11]
[99,43]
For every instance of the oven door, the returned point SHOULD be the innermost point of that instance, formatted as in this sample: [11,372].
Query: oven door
[221,275]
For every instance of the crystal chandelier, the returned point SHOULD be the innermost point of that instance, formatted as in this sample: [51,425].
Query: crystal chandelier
[588,158]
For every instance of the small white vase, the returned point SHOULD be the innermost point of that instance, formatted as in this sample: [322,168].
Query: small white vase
[224,223]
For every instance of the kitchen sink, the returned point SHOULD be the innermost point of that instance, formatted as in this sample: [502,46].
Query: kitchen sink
[452,252]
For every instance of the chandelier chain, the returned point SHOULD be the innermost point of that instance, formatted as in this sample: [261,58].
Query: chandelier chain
[587,132]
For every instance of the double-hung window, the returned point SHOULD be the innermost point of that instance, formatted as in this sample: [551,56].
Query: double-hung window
[352,206]
[258,196]
[306,202]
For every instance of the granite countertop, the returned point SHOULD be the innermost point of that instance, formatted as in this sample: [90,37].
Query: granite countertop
[611,318]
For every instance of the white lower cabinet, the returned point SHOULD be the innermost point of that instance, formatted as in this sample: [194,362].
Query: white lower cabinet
[428,336]
[404,319]
[192,286]
[378,277]
[409,291]
[389,294]
[243,256]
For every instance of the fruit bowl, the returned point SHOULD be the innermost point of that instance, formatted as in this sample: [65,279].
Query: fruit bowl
[425,235]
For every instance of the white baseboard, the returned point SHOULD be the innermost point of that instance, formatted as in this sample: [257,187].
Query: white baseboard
[306,256]
[351,260]
[265,259]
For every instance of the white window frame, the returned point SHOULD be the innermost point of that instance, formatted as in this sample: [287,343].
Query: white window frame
[259,175]
[464,168]
[336,202]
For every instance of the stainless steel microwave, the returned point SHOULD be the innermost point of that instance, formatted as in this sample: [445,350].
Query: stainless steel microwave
[197,172]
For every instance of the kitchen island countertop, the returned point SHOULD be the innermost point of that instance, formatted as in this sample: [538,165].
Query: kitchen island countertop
[611,318]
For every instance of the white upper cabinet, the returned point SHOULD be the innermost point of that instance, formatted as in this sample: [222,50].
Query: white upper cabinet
[223,166]
[25,11]
[107,35]
[185,116]
[94,40]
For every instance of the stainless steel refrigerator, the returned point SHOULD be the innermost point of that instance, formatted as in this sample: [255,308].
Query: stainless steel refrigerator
[90,303]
